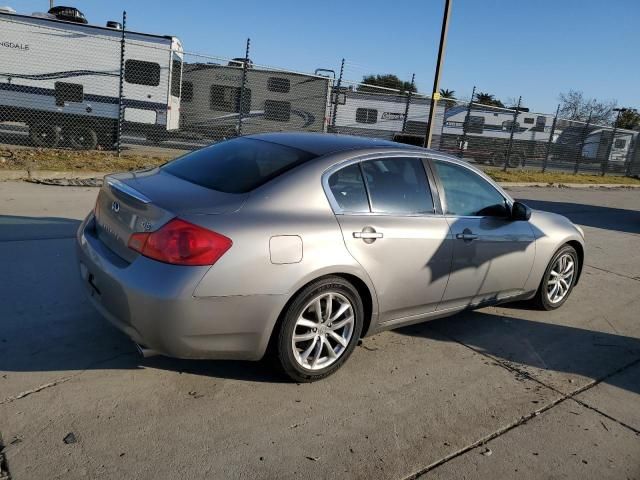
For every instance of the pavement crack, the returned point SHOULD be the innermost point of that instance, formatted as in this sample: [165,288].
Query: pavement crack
[524,419]
[637,279]
[59,381]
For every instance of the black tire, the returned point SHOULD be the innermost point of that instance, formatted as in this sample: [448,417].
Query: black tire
[515,160]
[81,138]
[541,300]
[44,135]
[285,352]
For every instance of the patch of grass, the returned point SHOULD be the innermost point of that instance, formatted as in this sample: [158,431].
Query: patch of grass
[76,160]
[556,177]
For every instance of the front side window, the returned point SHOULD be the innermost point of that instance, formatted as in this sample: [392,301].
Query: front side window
[366,115]
[467,193]
[347,187]
[142,73]
[398,186]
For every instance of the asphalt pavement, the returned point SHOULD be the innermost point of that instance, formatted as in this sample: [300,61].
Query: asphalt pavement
[503,392]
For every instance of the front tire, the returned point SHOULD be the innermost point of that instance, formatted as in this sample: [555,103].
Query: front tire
[559,279]
[320,329]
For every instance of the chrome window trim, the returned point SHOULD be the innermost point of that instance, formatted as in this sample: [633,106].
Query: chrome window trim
[375,156]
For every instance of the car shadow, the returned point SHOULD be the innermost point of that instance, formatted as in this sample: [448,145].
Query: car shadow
[539,345]
[607,218]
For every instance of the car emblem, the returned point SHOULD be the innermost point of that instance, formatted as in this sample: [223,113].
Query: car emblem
[115,206]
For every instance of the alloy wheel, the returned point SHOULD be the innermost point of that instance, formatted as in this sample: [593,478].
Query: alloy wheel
[560,278]
[323,331]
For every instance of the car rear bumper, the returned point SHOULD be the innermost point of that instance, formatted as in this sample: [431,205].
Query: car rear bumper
[153,304]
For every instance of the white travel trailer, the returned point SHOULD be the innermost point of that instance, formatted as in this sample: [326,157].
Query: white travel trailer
[488,131]
[596,145]
[272,100]
[61,76]
[383,115]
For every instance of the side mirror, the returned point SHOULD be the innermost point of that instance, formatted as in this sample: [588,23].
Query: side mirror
[519,211]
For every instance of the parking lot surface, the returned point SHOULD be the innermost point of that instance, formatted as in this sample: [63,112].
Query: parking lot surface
[503,392]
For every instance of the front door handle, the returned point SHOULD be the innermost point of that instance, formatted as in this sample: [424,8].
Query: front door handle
[466,235]
[368,235]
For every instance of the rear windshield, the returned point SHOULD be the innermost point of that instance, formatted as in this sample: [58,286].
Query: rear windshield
[238,165]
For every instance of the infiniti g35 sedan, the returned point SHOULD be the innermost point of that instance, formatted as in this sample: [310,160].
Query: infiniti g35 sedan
[300,244]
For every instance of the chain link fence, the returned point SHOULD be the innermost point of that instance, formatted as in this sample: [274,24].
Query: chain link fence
[75,86]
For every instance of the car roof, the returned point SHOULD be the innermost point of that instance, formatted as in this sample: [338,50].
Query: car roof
[324,143]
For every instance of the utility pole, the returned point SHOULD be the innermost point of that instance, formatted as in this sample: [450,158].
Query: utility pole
[436,80]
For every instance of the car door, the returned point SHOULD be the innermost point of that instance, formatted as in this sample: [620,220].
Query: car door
[492,254]
[391,227]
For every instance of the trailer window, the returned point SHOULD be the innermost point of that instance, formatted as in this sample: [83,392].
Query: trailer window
[176,76]
[142,73]
[474,124]
[278,84]
[227,99]
[366,115]
[509,124]
[187,92]
[529,120]
[68,92]
[278,111]
[541,122]
[619,143]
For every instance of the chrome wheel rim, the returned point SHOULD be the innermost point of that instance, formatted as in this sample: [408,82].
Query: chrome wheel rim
[323,331]
[560,278]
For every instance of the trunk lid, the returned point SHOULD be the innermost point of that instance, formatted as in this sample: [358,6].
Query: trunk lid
[145,201]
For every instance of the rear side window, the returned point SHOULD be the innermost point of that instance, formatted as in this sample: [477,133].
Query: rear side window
[236,166]
[347,187]
[398,186]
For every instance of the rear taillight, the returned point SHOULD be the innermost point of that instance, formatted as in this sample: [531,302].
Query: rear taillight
[181,243]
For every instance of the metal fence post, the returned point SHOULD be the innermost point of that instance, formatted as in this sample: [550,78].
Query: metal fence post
[466,121]
[513,127]
[121,85]
[334,96]
[550,141]
[583,137]
[243,84]
[406,107]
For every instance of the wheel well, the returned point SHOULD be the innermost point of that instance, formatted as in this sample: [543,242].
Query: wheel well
[580,251]
[360,286]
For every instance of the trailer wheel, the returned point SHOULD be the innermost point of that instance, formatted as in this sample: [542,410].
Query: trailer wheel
[81,138]
[44,135]
[498,159]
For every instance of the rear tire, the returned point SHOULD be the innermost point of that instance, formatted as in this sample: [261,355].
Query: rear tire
[81,138]
[558,280]
[313,344]
[44,135]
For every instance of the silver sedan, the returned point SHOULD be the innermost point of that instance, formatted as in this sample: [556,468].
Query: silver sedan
[301,244]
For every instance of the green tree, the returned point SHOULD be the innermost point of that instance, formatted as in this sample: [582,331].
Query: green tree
[388,81]
[448,94]
[488,99]
[629,119]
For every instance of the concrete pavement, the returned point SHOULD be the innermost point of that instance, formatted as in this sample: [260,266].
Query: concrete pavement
[502,392]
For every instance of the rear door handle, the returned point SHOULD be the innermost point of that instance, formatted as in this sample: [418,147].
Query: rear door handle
[467,237]
[368,235]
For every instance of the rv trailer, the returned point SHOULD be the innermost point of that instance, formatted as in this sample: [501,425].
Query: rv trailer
[216,105]
[382,115]
[60,76]
[486,132]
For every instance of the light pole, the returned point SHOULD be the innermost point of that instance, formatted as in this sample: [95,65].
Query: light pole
[435,95]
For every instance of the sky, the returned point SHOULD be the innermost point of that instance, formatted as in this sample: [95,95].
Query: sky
[533,48]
